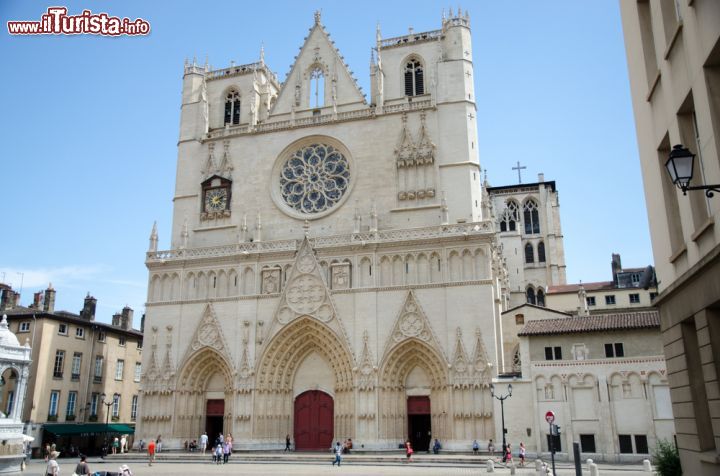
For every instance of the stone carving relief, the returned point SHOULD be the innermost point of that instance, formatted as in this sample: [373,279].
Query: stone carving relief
[366,372]
[415,163]
[271,281]
[340,275]
[412,323]
[305,292]
[482,367]
[580,351]
[209,333]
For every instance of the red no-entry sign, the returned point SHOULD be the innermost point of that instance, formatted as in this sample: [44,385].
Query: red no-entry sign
[550,417]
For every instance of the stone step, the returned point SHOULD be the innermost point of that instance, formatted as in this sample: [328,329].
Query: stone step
[375,458]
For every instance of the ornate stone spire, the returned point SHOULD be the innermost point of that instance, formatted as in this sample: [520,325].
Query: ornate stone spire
[153,238]
[318,17]
[262,53]
[258,227]
[243,229]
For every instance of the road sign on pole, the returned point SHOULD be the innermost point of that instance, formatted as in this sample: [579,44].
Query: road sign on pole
[550,417]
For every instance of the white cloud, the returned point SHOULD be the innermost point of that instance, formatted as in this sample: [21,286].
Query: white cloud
[40,277]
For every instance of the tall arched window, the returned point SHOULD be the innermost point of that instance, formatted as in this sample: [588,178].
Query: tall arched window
[530,295]
[541,252]
[509,217]
[317,87]
[529,253]
[530,216]
[414,81]
[232,108]
[540,298]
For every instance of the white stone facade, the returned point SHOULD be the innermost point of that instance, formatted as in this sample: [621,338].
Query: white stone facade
[324,244]
[527,217]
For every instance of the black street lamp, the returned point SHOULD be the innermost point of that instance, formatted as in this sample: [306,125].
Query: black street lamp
[680,166]
[107,415]
[502,399]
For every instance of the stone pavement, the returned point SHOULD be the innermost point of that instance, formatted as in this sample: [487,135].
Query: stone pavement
[238,467]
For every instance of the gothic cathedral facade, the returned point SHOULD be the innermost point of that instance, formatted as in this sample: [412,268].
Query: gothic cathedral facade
[331,271]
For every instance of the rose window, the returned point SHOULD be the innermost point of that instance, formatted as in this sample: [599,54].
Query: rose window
[314,178]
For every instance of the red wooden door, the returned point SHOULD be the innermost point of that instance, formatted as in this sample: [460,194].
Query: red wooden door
[313,420]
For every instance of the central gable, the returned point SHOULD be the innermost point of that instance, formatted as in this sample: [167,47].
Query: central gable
[318,61]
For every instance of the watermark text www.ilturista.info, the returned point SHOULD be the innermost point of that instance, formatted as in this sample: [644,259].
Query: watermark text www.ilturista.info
[57,22]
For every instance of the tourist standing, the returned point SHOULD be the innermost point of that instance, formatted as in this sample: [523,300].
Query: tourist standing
[408,451]
[82,467]
[53,469]
[123,444]
[227,448]
[287,442]
[522,454]
[158,444]
[491,448]
[218,453]
[151,452]
[115,445]
[203,442]
[338,454]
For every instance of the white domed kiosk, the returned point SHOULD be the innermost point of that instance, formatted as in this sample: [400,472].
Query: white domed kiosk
[15,363]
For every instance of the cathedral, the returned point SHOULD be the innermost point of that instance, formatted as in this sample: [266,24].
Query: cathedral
[336,267]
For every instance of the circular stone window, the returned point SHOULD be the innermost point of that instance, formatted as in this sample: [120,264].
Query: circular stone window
[312,178]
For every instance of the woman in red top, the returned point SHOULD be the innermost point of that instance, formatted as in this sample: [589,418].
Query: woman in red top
[408,450]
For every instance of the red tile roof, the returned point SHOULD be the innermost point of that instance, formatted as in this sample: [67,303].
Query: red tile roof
[594,323]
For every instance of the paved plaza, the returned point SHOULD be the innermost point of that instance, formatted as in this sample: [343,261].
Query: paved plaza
[237,467]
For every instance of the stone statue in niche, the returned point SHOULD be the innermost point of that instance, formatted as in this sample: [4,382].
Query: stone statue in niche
[341,276]
[297,94]
[549,392]
[271,281]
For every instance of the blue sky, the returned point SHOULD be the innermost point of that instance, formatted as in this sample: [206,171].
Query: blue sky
[90,125]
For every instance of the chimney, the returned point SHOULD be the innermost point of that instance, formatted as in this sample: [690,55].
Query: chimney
[116,319]
[616,267]
[142,323]
[37,300]
[88,310]
[126,318]
[14,299]
[541,177]
[49,303]
[4,293]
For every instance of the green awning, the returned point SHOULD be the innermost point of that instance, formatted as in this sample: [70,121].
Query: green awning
[60,429]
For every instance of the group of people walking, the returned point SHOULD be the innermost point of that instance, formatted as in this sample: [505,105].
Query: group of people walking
[507,456]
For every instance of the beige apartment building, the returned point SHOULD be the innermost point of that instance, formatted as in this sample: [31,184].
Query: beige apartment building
[84,376]
[624,291]
[673,52]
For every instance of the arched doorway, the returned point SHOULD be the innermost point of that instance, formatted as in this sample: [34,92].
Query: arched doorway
[313,420]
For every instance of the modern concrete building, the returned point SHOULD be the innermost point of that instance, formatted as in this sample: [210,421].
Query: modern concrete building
[673,52]
[75,361]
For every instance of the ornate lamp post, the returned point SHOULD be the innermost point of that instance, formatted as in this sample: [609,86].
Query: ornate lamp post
[680,166]
[502,399]
[107,415]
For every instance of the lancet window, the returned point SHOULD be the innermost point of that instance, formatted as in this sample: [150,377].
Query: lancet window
[317,87]
[510,216]
[529,253]
[232,108]
[541,252]
[530,216]
[531,296]
[414,80]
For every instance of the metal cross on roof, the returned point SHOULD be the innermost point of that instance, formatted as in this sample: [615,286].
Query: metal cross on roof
[519,168]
